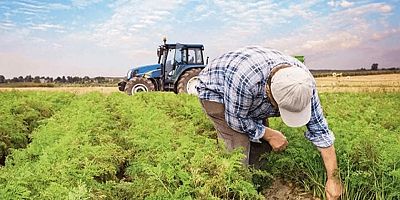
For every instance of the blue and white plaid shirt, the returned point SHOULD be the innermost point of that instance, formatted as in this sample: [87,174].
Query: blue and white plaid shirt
[238,80]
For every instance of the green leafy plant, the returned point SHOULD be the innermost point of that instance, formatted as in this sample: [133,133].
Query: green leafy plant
[162,146]
[21,113]
[102,147]
[367,132]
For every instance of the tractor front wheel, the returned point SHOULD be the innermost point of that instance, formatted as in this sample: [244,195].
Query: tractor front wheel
[188,81]
[139,84]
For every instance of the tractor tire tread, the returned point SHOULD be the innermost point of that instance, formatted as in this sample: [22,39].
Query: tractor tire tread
[185,78]
[139,80]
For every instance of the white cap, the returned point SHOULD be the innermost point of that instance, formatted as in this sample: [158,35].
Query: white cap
[292,90]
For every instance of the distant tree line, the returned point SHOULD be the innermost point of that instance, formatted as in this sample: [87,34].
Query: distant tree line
[62,79]
[374,67]
[355,72]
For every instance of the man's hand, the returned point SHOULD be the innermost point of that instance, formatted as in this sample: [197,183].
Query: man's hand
[333,187]
[276,139]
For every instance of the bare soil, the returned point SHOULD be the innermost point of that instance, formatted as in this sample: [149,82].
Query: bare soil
[281,190]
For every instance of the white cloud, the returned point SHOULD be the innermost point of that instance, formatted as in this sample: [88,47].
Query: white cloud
[84,3]
[332,3]
[346,4]
[7,25]
[46,26]
[343,3]
[385,34]
[340,31]
[32,10]
[310,44]
[331,42]
[58,6]
[31,5]
[27,10]
[367,8]
[200,8]
[133,23]
[245,23]
[385,8]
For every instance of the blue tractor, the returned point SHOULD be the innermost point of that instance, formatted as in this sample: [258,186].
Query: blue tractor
[177,70]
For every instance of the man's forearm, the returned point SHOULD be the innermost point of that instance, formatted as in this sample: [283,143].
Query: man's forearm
[329,156]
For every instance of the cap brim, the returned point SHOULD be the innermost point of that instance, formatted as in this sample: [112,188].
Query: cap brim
[296,119]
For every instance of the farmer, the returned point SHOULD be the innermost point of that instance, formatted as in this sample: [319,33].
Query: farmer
[239,90]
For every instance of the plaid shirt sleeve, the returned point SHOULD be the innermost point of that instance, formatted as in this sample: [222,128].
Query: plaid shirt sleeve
[318,131]
[238,100]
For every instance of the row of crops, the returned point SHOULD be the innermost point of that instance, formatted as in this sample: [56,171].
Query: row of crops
[116,147]
[161,146]
[21,113]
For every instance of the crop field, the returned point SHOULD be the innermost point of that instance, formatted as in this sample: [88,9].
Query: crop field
[61,145]
[371,83]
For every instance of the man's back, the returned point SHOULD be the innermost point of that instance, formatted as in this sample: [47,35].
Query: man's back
[248,68]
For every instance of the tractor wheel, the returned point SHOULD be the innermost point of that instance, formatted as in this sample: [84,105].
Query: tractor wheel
[188,81]
[138,84]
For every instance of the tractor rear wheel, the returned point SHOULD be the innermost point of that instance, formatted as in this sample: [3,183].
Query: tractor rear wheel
[188,81]
[139,84]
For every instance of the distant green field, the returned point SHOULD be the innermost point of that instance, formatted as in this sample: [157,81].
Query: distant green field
[162,146]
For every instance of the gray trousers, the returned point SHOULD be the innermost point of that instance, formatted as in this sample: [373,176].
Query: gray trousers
[234,139]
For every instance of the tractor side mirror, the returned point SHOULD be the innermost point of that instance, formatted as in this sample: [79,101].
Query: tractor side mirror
[207,60]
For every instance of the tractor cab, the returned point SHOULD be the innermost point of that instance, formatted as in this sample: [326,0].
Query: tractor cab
[176,58]
[176,70]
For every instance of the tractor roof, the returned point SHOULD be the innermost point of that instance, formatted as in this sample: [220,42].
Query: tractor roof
[185,45]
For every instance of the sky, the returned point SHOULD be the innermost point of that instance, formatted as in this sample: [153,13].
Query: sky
[106,38]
